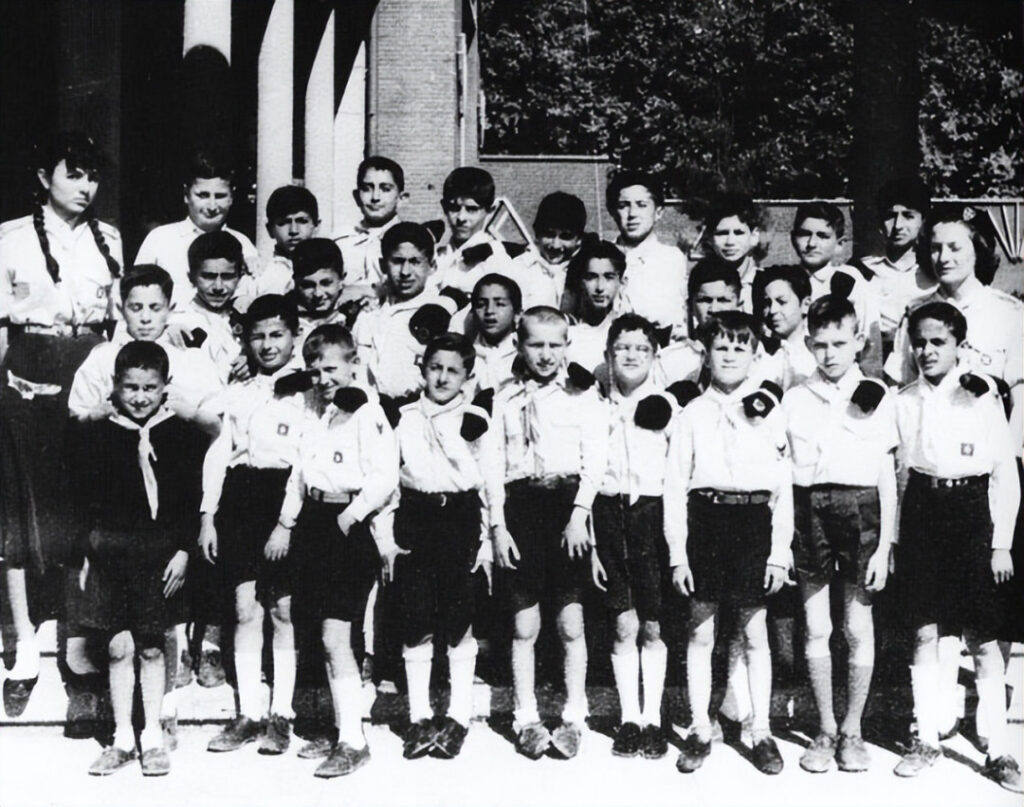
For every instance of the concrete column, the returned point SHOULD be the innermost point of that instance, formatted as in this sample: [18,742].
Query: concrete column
[274,104]
[208,22]
[349,143]
[319,125]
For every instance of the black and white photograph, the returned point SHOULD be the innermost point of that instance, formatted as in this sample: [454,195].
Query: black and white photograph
[489,403]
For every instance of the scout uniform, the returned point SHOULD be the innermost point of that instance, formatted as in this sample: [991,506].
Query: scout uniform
[458,271]
[223,329]
[864,298]
[51,326]
[193,389]
[277,277]
[747,271]
[587,343]
[897,285]
[167,247]
[654,283]
[360,252]
[838,453]
[729,499]
[493,367]
[678,361]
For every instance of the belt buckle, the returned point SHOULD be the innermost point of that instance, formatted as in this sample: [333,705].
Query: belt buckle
[442,499]
[949,483]
[316,494]
[716,498]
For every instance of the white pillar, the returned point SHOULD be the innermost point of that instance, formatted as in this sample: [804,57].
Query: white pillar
[320,128]
[349,143]
[207,22]
[275,93]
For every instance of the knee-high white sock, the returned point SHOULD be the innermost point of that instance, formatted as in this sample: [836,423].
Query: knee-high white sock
[284,682]
[736,705]
[653,660]
[759,674]
[575,709]
[350,710]
[368,633]
[247,673]
[992,705]
[418,661]
[626,667]
[522,682]
[461,667]
[949,703]
[924,682]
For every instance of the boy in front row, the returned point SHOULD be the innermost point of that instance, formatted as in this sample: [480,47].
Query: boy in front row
[548,460]
[345,474]
[140,474]
[956,529]
[437,530]
[629,558]
[729,523]
[842,433]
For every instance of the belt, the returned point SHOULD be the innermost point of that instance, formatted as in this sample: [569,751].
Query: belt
[733,497]
[440,500]
[73,330]
[939,483]
[550,481]
[328,497]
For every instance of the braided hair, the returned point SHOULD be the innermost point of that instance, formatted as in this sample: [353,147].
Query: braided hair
[77,150]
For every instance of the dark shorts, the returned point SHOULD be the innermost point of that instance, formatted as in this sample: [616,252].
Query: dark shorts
[943,560]
[727,546]
[434,584]
[631,547]
[334,573]
[836,532]
[250,506]
[536,515]
[124,587]
[1011,593]
[37,525]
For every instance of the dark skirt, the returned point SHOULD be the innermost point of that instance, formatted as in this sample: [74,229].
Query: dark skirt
[37,522]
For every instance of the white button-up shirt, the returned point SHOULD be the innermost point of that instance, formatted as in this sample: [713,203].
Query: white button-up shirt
[715,445]
[832,440]
[541,283]
[261,430]
[897,285]
[87,292]
[654,283]
[679,361]
[223,343]
[636,456]
[167,247]
[353,453]
[276,277]
[587,343]
[195,385]
[864,297]
[493,367]
[361,253]
[454,272]
[948,432]
[546,430]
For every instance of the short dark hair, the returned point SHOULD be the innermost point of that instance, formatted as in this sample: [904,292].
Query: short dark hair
[290,199]
[632,322]
[731,203]
[712,270]
[454,342]
[314,254]
[323,336]
[736,326]
[983,237]
[826,211]
[946,313]
[515,294]
[144,356]
[627,179]
[830,310]
[206,165]
[407,232]
[146,274]
[269,306]
[218,245]
[469,182]
[378,163]
[796,276]
[910,192]
[561,211]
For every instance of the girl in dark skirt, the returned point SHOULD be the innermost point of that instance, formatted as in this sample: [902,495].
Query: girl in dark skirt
[57,271]
[956,526]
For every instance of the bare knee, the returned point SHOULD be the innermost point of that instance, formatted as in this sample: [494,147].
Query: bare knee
[570,623]
[281,613]
[702,635]
[121,647]
[151,653]
[527,625]
[650,632]
[626,627]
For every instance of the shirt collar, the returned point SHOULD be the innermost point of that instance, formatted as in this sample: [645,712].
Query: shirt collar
[432,409]
[829,390]
[55,224]
[648,387]
[969,292]
[640,251]
[747,270]
[479,237]
[729,398]
[506,345]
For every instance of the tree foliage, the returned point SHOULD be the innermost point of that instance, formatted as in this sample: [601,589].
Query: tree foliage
[754,94]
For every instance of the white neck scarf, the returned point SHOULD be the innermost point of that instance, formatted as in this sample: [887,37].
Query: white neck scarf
[146,452]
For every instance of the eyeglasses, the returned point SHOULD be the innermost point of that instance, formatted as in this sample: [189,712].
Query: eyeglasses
[622,350]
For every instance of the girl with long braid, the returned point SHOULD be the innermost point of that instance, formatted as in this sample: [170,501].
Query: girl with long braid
[57,271]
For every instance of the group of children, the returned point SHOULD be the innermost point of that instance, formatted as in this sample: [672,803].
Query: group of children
[393,407]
